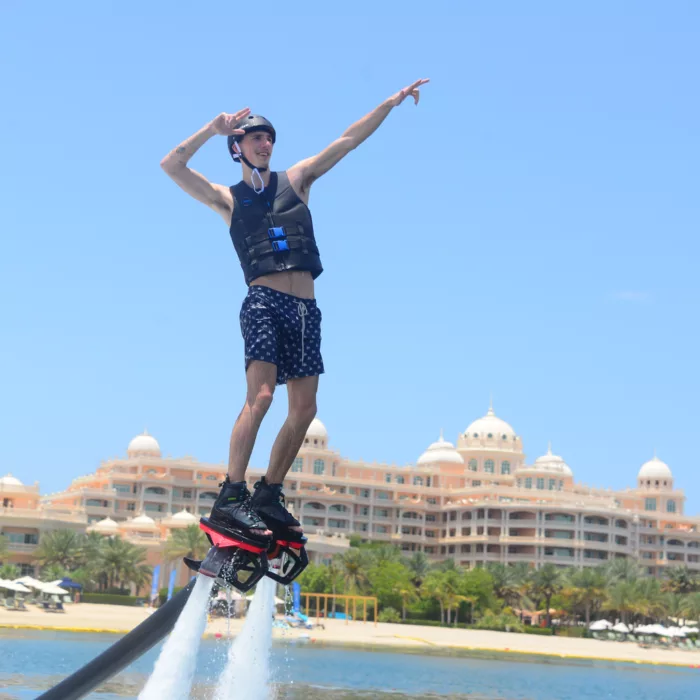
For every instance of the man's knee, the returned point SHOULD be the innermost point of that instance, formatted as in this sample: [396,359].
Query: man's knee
[260,401]
[303,412]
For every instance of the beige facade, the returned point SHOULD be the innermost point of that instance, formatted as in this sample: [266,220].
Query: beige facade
[476,503]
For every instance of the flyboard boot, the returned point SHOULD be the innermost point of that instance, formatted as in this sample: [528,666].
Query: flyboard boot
[238,556]
[287,549]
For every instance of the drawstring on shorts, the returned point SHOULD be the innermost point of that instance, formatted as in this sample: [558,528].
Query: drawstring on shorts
[302,311]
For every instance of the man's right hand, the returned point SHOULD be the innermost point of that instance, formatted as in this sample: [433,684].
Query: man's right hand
[224,124]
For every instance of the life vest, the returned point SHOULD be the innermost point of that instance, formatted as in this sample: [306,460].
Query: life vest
[273,231]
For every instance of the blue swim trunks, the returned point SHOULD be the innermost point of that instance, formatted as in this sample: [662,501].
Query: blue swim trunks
[284,330]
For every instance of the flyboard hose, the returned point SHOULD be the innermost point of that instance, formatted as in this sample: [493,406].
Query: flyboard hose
[121,653]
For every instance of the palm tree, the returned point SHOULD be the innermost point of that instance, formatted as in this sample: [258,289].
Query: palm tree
[587,589]
[547,582]
[60,547]
[353,566]
[691,606]
[187,542]
[408,595]
[123,563]
[432,588]
[4,550]
[680,579]
[419,565]
[507,583]
[625,598]
[9,571]
[52,572]
[622,570]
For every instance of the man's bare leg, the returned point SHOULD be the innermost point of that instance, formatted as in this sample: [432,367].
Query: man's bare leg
[302,409]
[260,377]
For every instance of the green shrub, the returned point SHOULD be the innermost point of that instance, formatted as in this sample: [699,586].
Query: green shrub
[545,631]
[502,622]
[111,599]
[389,615]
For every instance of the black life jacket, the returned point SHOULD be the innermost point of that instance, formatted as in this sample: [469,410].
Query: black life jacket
[272,231]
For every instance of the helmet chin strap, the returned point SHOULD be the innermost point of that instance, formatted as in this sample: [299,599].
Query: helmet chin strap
[255,171]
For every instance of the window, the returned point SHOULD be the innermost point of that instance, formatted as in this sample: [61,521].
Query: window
[157,490]
[540,483]
[505,467]
[473,466]
[154,507]
[489,465]
[552,484]
[22,538]
[212,477]
[298,464]
[122,488]
[383,495]
[187,493]
[528,482]
[96,503]
[26,570]
[399,480]
[476,482]
[418,481]
[490,435]
[319,466]
[561,485]
[649,504]
[520,483]
[210,495]
[671,507]
[387,478]
[131,506]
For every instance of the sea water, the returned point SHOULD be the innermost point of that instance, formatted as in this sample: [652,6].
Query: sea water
[174,671]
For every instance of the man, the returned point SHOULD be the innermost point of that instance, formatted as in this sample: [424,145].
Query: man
[270,224]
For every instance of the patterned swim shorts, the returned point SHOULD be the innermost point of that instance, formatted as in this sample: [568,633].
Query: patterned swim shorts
[284,330]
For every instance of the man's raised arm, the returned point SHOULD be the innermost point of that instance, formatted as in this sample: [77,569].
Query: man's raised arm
[194,183]
[307,171]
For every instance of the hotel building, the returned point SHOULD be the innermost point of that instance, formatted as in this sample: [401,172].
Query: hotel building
[477,502]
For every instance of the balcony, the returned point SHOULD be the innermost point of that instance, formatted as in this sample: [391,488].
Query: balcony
[20,547]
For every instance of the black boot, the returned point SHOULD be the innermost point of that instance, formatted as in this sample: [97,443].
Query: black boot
[232,511]
[268,503]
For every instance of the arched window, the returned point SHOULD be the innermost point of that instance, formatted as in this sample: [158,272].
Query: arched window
[298,464]
[670,506]
[540,483]
[505,467]
[473,466]
[319,466]
[489,466]
[528,482]
[157,490]
[399,480]
[418,481]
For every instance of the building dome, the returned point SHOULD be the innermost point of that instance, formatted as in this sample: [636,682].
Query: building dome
[105,527]
[490,426]
[317,430]
[184,517]
[142,522]
[144,444]
[550,463]
[655,469]
[441,452]
[9,480]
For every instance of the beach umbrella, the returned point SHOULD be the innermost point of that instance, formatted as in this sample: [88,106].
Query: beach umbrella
[599,626]
[689,630]
[14,586]
[658,629]
[621,627]
[675,632]
[31,582]
[52,589]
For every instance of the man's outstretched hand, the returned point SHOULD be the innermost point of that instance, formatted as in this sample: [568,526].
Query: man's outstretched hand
[413,90]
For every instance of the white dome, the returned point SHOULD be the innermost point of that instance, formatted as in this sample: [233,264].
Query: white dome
[655,469]
[9,480]
[550,463]
[185,517]
[441,452]
[144,444]
[490,424]
[142,522]
[106,525]
[317,430]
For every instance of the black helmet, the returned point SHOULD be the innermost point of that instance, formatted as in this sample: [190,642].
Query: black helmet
[253,122]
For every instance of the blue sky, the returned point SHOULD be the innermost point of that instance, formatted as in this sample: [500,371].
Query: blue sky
[529,231]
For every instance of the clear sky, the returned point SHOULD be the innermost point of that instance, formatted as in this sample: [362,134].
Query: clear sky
[529,231]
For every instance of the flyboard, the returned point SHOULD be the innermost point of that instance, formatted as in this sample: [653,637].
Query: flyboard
[233,560]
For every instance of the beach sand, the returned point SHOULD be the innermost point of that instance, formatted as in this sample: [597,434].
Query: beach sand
[86,617]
